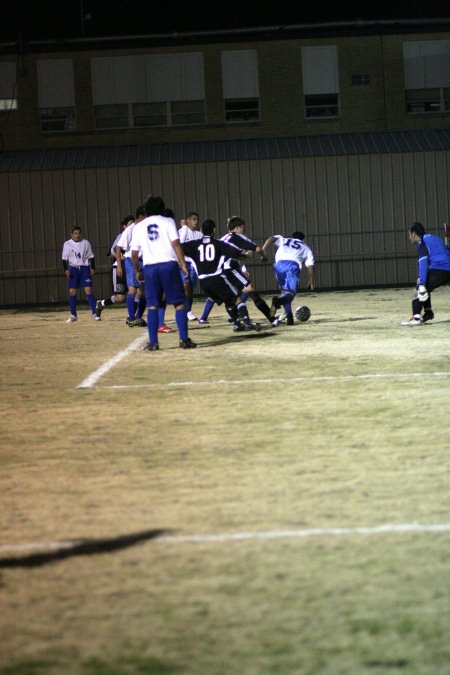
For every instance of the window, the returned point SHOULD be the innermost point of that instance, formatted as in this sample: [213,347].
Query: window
[57,119]
[148,91]
[240,86]
[427,76]
[320,81]
[111,116]
[242,110]
[56,95]
[8,89]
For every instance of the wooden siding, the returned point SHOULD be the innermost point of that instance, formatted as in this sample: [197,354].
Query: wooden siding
[354,210]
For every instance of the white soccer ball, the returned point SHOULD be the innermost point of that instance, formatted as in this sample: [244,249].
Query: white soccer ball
[303,313]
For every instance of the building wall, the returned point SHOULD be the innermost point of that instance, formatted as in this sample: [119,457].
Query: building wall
[354,211]
[376,107]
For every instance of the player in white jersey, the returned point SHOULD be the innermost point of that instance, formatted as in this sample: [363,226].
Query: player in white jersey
[118,295]
[189,231]
[290,256]
[79,267]
[155,240]
[125,271]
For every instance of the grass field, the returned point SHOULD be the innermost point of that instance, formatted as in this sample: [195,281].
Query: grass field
[271,503]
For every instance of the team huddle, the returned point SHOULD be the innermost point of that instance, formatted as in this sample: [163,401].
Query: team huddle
[156,264]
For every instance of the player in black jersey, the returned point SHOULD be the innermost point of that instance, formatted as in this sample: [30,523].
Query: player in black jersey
[222,283]
[236,236]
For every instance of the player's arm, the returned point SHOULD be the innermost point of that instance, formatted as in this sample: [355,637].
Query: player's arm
[422,292]
[65,261]
[119,272]
[135,260]
[311,272]
[92,265]
[180,255]
[65,264]
[266,245]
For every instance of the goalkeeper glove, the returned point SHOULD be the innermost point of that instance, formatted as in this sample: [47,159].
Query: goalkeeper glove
[422,293]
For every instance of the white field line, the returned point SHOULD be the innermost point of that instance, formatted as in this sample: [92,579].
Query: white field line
[401,528]
[97,374]
[279,380]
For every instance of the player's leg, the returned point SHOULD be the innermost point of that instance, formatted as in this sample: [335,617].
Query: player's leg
[73,284]
[116,298]
[209,304]
[260,304]
[175,295]
[86,284]
[153,296]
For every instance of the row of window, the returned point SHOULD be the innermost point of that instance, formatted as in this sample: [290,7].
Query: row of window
[142,91]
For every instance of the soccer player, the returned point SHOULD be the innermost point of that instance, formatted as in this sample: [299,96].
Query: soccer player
[221,283]
[79,267]
[236,236]
[135,287]
[434,271]
[156,239]
[118,295]
[188,232]
[290,256]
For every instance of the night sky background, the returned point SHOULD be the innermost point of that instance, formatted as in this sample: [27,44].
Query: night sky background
[25,20]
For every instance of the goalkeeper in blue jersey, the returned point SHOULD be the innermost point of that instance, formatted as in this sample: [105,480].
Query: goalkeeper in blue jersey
[434,271]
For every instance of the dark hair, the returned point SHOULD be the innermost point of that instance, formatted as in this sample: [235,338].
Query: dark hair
[235,221]
[127,219]
[417,228]
[169,213]
[192,213]
[298,235]
[75,229]
[154,206]
[208,227]
[140,211]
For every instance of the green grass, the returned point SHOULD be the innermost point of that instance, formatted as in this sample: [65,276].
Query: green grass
[338,423]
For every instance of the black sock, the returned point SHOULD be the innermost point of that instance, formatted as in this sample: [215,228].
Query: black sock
[263,307]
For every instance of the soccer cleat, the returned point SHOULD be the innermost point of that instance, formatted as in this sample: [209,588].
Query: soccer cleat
[203,321]
[251,325]
[282,317]
[141,323]
[72,318]
[97,318]
[165,329]
[240,327]
[416,320]
[130,322]
[289,319]
[151,348]
[274,306]
[187,344]
[191,316]
[428,315]
[98,309]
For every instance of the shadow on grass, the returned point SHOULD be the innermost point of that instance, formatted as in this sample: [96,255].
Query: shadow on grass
[232,339]
[80,548]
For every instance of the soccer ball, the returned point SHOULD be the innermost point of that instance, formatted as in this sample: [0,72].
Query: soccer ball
[303,313]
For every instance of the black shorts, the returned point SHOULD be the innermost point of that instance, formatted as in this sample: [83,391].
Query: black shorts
[437,278]
[225,287]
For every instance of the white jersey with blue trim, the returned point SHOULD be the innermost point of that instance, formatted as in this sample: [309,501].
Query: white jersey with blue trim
[77,253]
[289,248]
[186,234]
[153,238]
[125,240]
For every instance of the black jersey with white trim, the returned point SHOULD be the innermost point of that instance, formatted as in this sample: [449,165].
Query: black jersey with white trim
[209,254]
[239,240]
